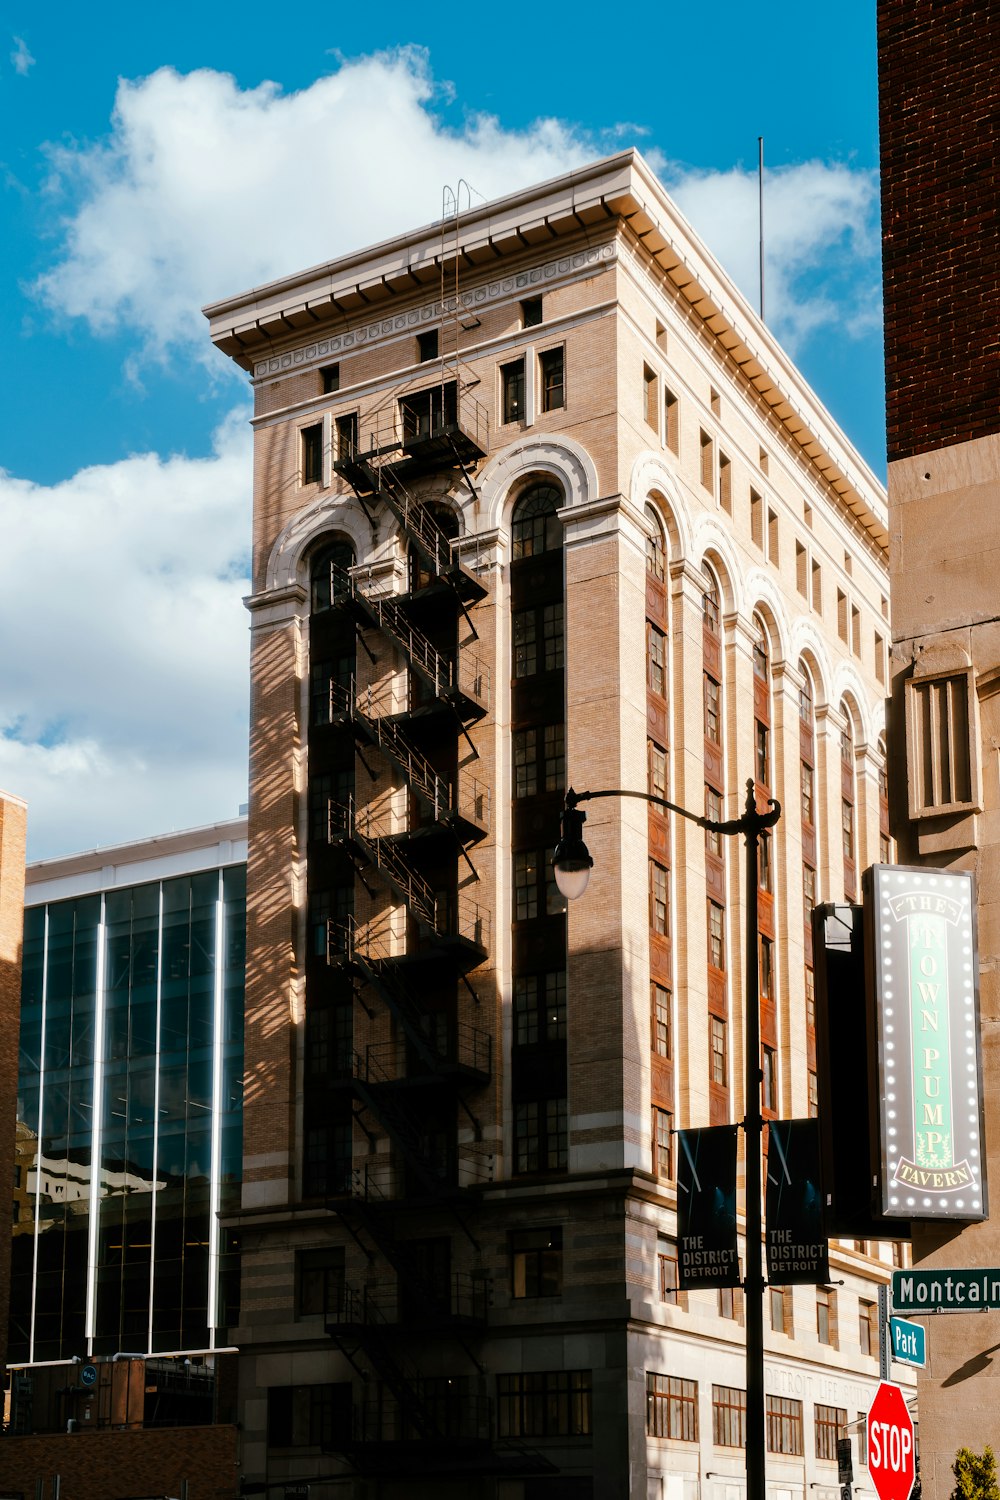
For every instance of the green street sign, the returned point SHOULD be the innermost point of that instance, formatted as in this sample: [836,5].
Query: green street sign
[909,1342]
[965,1290]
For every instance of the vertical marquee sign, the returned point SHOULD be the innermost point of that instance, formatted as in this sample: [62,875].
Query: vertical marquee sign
[921,940]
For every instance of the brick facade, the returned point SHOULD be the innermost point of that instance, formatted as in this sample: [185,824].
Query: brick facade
[199,1462]
[564,1122]
[939,91]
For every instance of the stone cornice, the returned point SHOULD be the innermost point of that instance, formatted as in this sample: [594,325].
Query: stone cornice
[517,285]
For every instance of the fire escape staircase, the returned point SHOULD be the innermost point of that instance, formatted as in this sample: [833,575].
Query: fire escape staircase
[463,1443]
[397,444]
[468,824]
[466,694]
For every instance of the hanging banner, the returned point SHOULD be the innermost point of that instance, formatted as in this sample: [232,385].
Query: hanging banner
[707,1255]
[926,1032]
[797,1249]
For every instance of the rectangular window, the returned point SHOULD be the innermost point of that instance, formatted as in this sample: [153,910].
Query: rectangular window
[512,391]
[817,588]
[538,640]
[772,537]
[672,416]
[539,760]
[540,1136]
[716,936]
[707,461]
[766,968]
[650,398]
[656,769]
[531,312]
[861,1428]
[427,345]
[547,1403]
[668,1273]
[312,454]
[656,660]
[831,1424]
[823,1320]
[539,1008]
[810,999]
[847,829]
[842,615]
[536,1262]
[713,727]
[330,379]
[714,401]
[729,1417]
[535,891]
[308,1416]
[765,871]
[879,659]
[713,811]
[776,1308]
[718,1059]
[802,570]
[671,1407]
[757,519]
[855,630]
[346,433]
[663,1143]
[659,1007]
[813,1085]
[868,1326]
[762,752]
[808,894]
[806,788]
[320,1281]
[769,1085]
[659,899]
[552,367]
[784,1425]
[729,1303]
[661,336]
[725,483]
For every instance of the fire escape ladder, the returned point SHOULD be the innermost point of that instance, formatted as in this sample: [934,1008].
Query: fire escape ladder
[386,857]
[368,1333]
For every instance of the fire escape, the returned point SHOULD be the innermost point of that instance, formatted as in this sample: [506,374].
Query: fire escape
[413,1089]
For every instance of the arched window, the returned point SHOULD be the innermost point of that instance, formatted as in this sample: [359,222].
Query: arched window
[535,526]
[328,573]
[656,551]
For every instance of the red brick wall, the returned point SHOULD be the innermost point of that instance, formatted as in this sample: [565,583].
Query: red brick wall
[111,1465]
[939,97]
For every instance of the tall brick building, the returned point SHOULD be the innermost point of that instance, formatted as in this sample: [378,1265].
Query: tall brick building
[537,501]
[939,82]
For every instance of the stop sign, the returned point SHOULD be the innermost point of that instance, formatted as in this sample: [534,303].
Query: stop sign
[891,1461]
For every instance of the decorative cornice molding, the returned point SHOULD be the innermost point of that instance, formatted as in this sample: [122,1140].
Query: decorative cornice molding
[382,328]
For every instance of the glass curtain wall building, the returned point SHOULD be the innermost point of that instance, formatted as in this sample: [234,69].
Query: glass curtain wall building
[129,1120]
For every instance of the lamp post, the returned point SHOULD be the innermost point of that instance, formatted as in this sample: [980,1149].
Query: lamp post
[572,864]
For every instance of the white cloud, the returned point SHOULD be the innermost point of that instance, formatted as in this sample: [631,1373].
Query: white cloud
[820,238]
[21,59]
[203,190]
[123,700]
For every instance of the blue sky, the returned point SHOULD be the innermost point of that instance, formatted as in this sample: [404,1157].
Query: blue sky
[155,160]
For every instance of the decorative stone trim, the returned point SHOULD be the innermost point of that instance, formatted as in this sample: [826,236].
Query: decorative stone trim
[383,328]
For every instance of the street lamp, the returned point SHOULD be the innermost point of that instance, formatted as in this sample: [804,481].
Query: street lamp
[572,864]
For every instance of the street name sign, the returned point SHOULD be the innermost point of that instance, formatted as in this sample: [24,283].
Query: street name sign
[909,1342]
[969,1289]
[891,1460]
